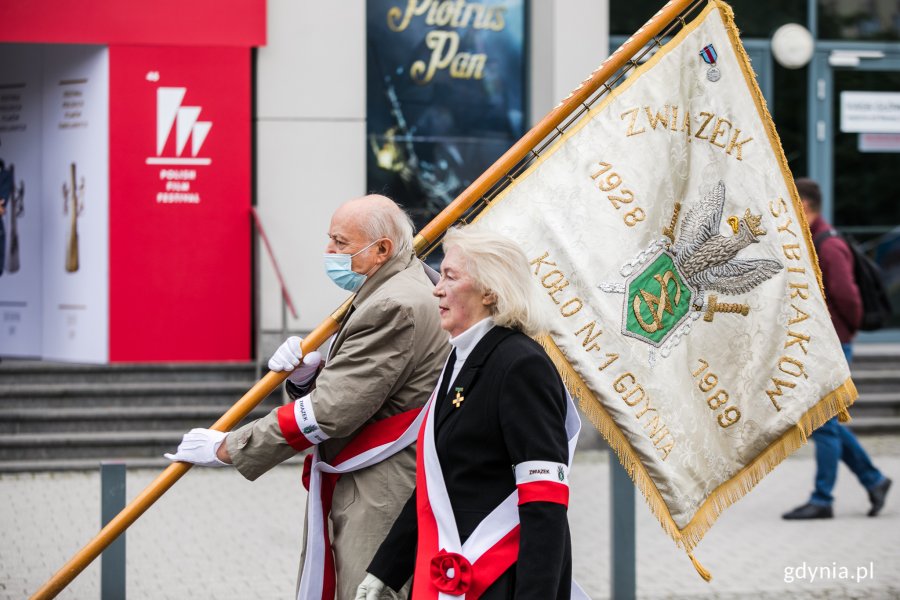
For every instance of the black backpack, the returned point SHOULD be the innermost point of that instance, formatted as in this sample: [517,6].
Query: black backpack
[876,305]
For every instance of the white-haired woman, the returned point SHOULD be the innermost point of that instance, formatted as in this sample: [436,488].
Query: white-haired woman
[488,516]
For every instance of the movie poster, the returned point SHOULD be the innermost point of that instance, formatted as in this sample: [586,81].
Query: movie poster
[75,211]
[445,96]
[20,200]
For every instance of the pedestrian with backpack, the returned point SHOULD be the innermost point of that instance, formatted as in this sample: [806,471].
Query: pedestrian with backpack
[833,441]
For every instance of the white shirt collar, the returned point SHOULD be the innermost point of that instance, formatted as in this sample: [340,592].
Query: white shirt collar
[465,342]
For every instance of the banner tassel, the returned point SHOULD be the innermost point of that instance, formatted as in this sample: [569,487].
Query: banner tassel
[843,416]
[706,575]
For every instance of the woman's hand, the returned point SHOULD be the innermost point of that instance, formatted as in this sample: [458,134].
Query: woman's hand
[370,588]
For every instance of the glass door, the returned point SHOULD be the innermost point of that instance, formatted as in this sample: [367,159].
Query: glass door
[856,157]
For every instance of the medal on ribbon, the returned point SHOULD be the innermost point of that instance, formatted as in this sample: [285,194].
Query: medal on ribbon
[709,56]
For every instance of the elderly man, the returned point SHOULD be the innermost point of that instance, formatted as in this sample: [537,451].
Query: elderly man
[358,410]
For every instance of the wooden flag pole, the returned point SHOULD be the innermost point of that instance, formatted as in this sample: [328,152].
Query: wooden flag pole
[427,236]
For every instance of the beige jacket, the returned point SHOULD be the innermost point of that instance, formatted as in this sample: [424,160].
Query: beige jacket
[385,359]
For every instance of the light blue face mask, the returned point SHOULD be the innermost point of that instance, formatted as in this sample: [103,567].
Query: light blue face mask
[339,268]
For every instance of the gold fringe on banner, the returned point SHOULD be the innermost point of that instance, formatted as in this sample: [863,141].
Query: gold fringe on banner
[835,402]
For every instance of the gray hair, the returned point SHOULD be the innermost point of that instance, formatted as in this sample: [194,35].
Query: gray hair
[386,219]
[497,264]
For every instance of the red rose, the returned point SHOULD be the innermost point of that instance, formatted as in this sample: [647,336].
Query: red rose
[451,573]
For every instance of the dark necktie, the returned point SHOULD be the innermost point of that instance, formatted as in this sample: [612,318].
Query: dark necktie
[445,380]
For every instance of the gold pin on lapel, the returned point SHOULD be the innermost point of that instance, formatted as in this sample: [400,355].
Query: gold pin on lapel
[459,398]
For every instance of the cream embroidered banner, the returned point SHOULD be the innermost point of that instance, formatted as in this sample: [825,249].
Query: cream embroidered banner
[665,233]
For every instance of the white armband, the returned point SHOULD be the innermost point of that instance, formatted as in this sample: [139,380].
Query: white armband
[542,470]
[306,421]
[542,481]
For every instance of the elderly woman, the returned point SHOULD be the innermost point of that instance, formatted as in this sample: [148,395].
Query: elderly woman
[488,516]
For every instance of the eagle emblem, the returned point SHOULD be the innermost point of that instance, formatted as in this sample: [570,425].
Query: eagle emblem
[670,284]
[709,260]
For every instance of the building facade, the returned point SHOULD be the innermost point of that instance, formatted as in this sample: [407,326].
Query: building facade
[302,137]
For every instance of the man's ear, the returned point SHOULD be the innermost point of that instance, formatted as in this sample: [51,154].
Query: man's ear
[383,249]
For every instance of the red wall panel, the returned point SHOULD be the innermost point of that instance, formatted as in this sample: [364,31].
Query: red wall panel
[180,273]
[160,22]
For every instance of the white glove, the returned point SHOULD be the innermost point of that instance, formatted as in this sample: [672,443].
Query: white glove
[370,588]
[288,356]
[199,446]
[308,369]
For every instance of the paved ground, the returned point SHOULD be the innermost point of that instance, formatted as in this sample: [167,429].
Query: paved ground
[216,536]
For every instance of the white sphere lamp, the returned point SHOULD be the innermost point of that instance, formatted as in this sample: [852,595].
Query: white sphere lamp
[792,46]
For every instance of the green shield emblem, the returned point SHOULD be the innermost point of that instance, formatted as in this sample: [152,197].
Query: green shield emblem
[657,300]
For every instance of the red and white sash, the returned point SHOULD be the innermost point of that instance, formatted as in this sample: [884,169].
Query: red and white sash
[372,445]
[449,570]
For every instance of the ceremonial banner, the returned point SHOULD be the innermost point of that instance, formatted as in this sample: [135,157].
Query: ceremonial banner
[665,233]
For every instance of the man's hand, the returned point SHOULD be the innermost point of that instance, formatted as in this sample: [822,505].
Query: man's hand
[198,446]
[288,357]
[370,588]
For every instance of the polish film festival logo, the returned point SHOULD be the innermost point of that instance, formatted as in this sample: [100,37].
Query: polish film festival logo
[177,171]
